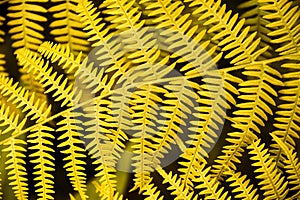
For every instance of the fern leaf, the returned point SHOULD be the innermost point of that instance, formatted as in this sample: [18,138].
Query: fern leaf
[26,18]
[176,184]
[209,186]
[288,114]
[20,97]
[64,56]
[271,180]
[101,190]
[2,56]
[70,143]
[151,191]
[257,95]
[144,118]
[284,25]
[100,147]
[32,61]
[16,154]
[241,186]
[254,18]
[67,29]
[292,165]
[177,30]
[229,31]
[138,40]
[43,160]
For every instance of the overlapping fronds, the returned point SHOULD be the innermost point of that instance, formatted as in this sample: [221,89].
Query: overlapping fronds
[272,182]
[284,23]
[292,165]
[241,186]
[31,61]
[257,97]
[228,31]
[26,17]
[67,28]
[288,115]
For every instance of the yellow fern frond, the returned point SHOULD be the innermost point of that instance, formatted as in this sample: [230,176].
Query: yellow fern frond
[176,184]
[241,186]
[292,165]
[144,106]
[71,144]
[2,56]
[21,98]
[63,55]
[284,23]
[229,31]
[108,48]
[100,147]
[209,186]
[67,28]
[257,95]
[101,190]
[254,18]
[287,120]
[26,18]
[40,140]
[272,181]
[16,153]
[31,61]
[177,30]
[150,190]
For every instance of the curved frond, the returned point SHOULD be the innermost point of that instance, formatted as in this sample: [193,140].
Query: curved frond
[71,146]
[67,28]
[284,23]
[288,115]
[40,140]
[272,181]
[292,165]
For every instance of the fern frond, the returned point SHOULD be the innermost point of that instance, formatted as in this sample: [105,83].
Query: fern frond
[254,18]
[176,184]
[292,166]
[101,190]
[287,120]
[15,165]
[67,28]
[241,186]
[20,97]
[144,106]
[109,50]
[26,18]
[284,25]
[71,144]
[63,55]
[272,181]
[152,193]
[229,31]
[31,61]
[177,30]
[257,94]
[2,56]
[209,186]
[100,147]
[40,138]
[138,41]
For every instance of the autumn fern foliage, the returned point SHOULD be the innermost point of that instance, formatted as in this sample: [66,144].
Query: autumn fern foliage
[193,99]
